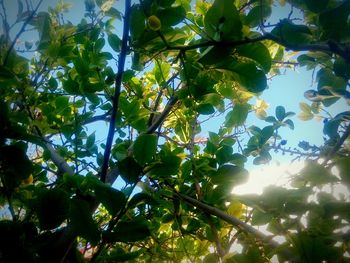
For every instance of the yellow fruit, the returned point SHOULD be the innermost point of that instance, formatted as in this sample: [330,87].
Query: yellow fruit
[235,209]
[29,180]
[154,23]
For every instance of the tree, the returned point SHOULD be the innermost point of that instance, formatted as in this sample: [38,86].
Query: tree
[173,199]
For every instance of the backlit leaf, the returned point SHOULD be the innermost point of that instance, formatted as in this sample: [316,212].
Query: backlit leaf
[222,21]
[145,147]
[115,42]
[111,198]
[129,170]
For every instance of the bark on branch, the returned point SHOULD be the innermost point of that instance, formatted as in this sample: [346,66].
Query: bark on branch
[239,224]
[118,83]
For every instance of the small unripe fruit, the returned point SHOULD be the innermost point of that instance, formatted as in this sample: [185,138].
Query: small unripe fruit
[154,23]
[28,180]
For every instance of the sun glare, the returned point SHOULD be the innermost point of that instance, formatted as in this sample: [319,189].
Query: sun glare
[269,174]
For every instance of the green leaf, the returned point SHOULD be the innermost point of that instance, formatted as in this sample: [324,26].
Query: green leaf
[171,16]
[52,208]
[129,170]
[224,154]
[289,123]
[211,258]
[141,198]
[216,55]
[238,159]
[249,76]
[237,116]
[341,68]
[161,72]
[270,119]
[61,102]
[258,52]
[82,222]
[15,165]
[169,165]
[114,13]
[43,24]
[205,109]
[343,165]
[263,158]
[258,14]
[260,218]
[115,42]
[331,128]
[280,113]
[111,198]
[266,134]
[316,174]
[334,22]
[90,141]
[145,147]
[137,22]
[222,21]
[165,3]
[292,34]
[230,175]
[53,83]
[99,44]
[305,60]
[128,231]
[316,6]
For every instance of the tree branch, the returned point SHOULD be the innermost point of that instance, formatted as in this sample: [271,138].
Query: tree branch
[338,144]
[118,83]
[156,104]
[58,160]
[238,223]
[217,43]
[172,101]
[331,47]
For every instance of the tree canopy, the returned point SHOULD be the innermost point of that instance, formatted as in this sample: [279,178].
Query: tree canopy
[155,72]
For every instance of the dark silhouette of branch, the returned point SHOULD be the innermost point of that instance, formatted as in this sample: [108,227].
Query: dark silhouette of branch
[118,83]
[156,104]
[338,144]
[155,125]
[330,47]
[217,43]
